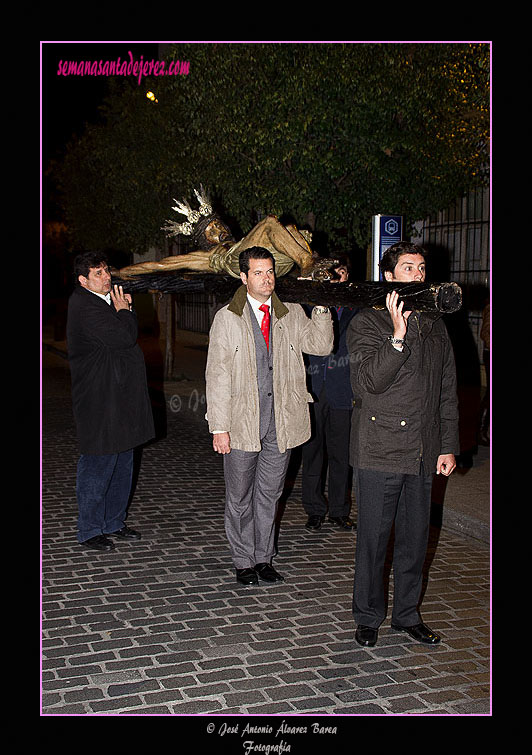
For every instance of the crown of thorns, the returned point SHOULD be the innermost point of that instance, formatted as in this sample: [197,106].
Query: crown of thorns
[193,216]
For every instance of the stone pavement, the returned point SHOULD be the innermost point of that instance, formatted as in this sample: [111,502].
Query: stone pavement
[160,627]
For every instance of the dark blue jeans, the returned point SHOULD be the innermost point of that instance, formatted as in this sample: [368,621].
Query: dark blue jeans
[102,488]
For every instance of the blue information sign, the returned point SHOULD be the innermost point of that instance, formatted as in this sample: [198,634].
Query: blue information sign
[387,230]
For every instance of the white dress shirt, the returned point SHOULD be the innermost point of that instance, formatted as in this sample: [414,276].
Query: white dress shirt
[105,297]
[259,314]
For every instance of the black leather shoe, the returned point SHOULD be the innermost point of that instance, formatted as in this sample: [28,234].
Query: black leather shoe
[247,576]
[99,543]
[343,522]
[125,534]
[366,636]
[314,522]
[419,632]
[268,573]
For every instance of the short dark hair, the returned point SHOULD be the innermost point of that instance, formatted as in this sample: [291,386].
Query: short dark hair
[87,260]
[253,253]
[343,261]
[390,258]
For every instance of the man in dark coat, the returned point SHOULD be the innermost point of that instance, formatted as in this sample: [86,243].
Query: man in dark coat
[331,421]
[110,400]
[404,429]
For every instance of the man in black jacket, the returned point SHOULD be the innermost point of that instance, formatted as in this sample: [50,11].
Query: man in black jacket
[110,400]
[404,429]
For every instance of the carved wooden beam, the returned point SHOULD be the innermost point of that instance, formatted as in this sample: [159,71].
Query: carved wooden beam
[423,297]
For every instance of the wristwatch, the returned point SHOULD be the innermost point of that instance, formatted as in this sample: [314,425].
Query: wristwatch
[321,310]
[396,341]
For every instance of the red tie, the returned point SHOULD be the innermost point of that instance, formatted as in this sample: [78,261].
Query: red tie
[265,326]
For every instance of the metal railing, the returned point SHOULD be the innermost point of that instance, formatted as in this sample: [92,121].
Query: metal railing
[459,241]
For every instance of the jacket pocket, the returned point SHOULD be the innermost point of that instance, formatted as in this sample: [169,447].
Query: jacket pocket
[386,436]
[297,375]
[296,416]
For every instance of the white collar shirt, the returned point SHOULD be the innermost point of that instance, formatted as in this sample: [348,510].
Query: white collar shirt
[105,297]
[255,307]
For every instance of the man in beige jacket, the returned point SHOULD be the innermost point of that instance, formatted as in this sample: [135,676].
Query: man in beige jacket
[257,404]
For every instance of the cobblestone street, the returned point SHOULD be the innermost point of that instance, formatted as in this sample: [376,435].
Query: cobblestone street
[160,626]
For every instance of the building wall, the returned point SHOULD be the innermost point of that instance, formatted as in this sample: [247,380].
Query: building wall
[459,242]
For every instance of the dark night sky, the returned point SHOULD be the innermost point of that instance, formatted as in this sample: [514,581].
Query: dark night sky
[68,102]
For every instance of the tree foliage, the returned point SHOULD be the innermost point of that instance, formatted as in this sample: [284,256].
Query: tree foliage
[327,134]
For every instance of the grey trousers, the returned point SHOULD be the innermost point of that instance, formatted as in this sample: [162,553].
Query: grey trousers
[253,485]
[382,501]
